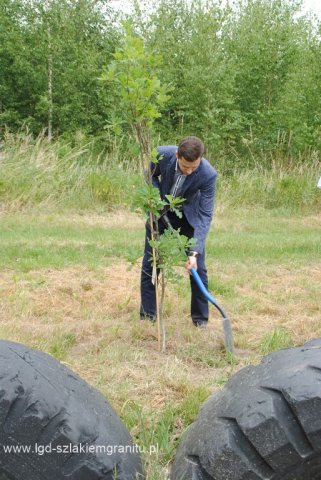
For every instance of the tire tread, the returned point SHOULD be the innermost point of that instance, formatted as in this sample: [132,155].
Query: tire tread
[290,423]
[241,445]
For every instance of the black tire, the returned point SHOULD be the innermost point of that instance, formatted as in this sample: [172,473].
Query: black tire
[265,423]
[44,403]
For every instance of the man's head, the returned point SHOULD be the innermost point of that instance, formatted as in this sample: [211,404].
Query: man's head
[189,154]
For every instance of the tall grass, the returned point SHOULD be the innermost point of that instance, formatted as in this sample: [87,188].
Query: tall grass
[35,172]
[291,186]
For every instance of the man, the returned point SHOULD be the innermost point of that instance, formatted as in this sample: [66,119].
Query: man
[183,172]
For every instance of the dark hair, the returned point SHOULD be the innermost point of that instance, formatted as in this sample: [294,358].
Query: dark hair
[190,148]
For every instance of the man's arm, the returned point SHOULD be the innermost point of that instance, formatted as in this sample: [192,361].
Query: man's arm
[155,174]
[205,214]
[155,170]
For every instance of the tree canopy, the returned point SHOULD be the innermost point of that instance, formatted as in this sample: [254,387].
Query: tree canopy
[246,79]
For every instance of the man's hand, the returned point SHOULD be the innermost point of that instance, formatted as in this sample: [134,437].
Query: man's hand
[191,263]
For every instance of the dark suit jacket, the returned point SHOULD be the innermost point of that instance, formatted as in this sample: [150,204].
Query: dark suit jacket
[198,191]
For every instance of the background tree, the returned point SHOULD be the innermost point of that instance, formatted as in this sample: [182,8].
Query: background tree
[188,36]
[63,43]
[265,40]
[246,76]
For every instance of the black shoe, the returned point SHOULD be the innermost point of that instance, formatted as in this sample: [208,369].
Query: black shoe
[200,324]
[150,318]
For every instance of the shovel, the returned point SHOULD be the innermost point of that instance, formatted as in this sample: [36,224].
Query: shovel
[227,328]
[228,334]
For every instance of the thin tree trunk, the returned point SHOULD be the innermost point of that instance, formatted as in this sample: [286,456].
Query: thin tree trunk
[155,280]
[50,101]
[143,138]
[161,312]
[50,77]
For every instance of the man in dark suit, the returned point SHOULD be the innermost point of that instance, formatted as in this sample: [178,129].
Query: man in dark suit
[183,172]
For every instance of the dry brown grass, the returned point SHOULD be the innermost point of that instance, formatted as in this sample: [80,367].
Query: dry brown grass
[89,318]
[282,296]
[100,308]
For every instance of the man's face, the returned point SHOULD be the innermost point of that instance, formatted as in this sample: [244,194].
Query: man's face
[187,167]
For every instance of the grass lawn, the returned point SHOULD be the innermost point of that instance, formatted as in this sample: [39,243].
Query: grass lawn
[69,285]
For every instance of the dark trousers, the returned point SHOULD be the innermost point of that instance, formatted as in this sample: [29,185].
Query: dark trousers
[199,305]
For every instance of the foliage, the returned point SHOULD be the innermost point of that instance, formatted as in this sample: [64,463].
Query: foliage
[244,76]
[138,93]
[147,200]
[270,44]
[171,248]
[247,75]
[78,38]
[133,71]
[194,61]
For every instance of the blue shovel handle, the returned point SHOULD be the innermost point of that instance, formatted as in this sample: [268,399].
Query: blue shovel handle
[205,292]
[228,335]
